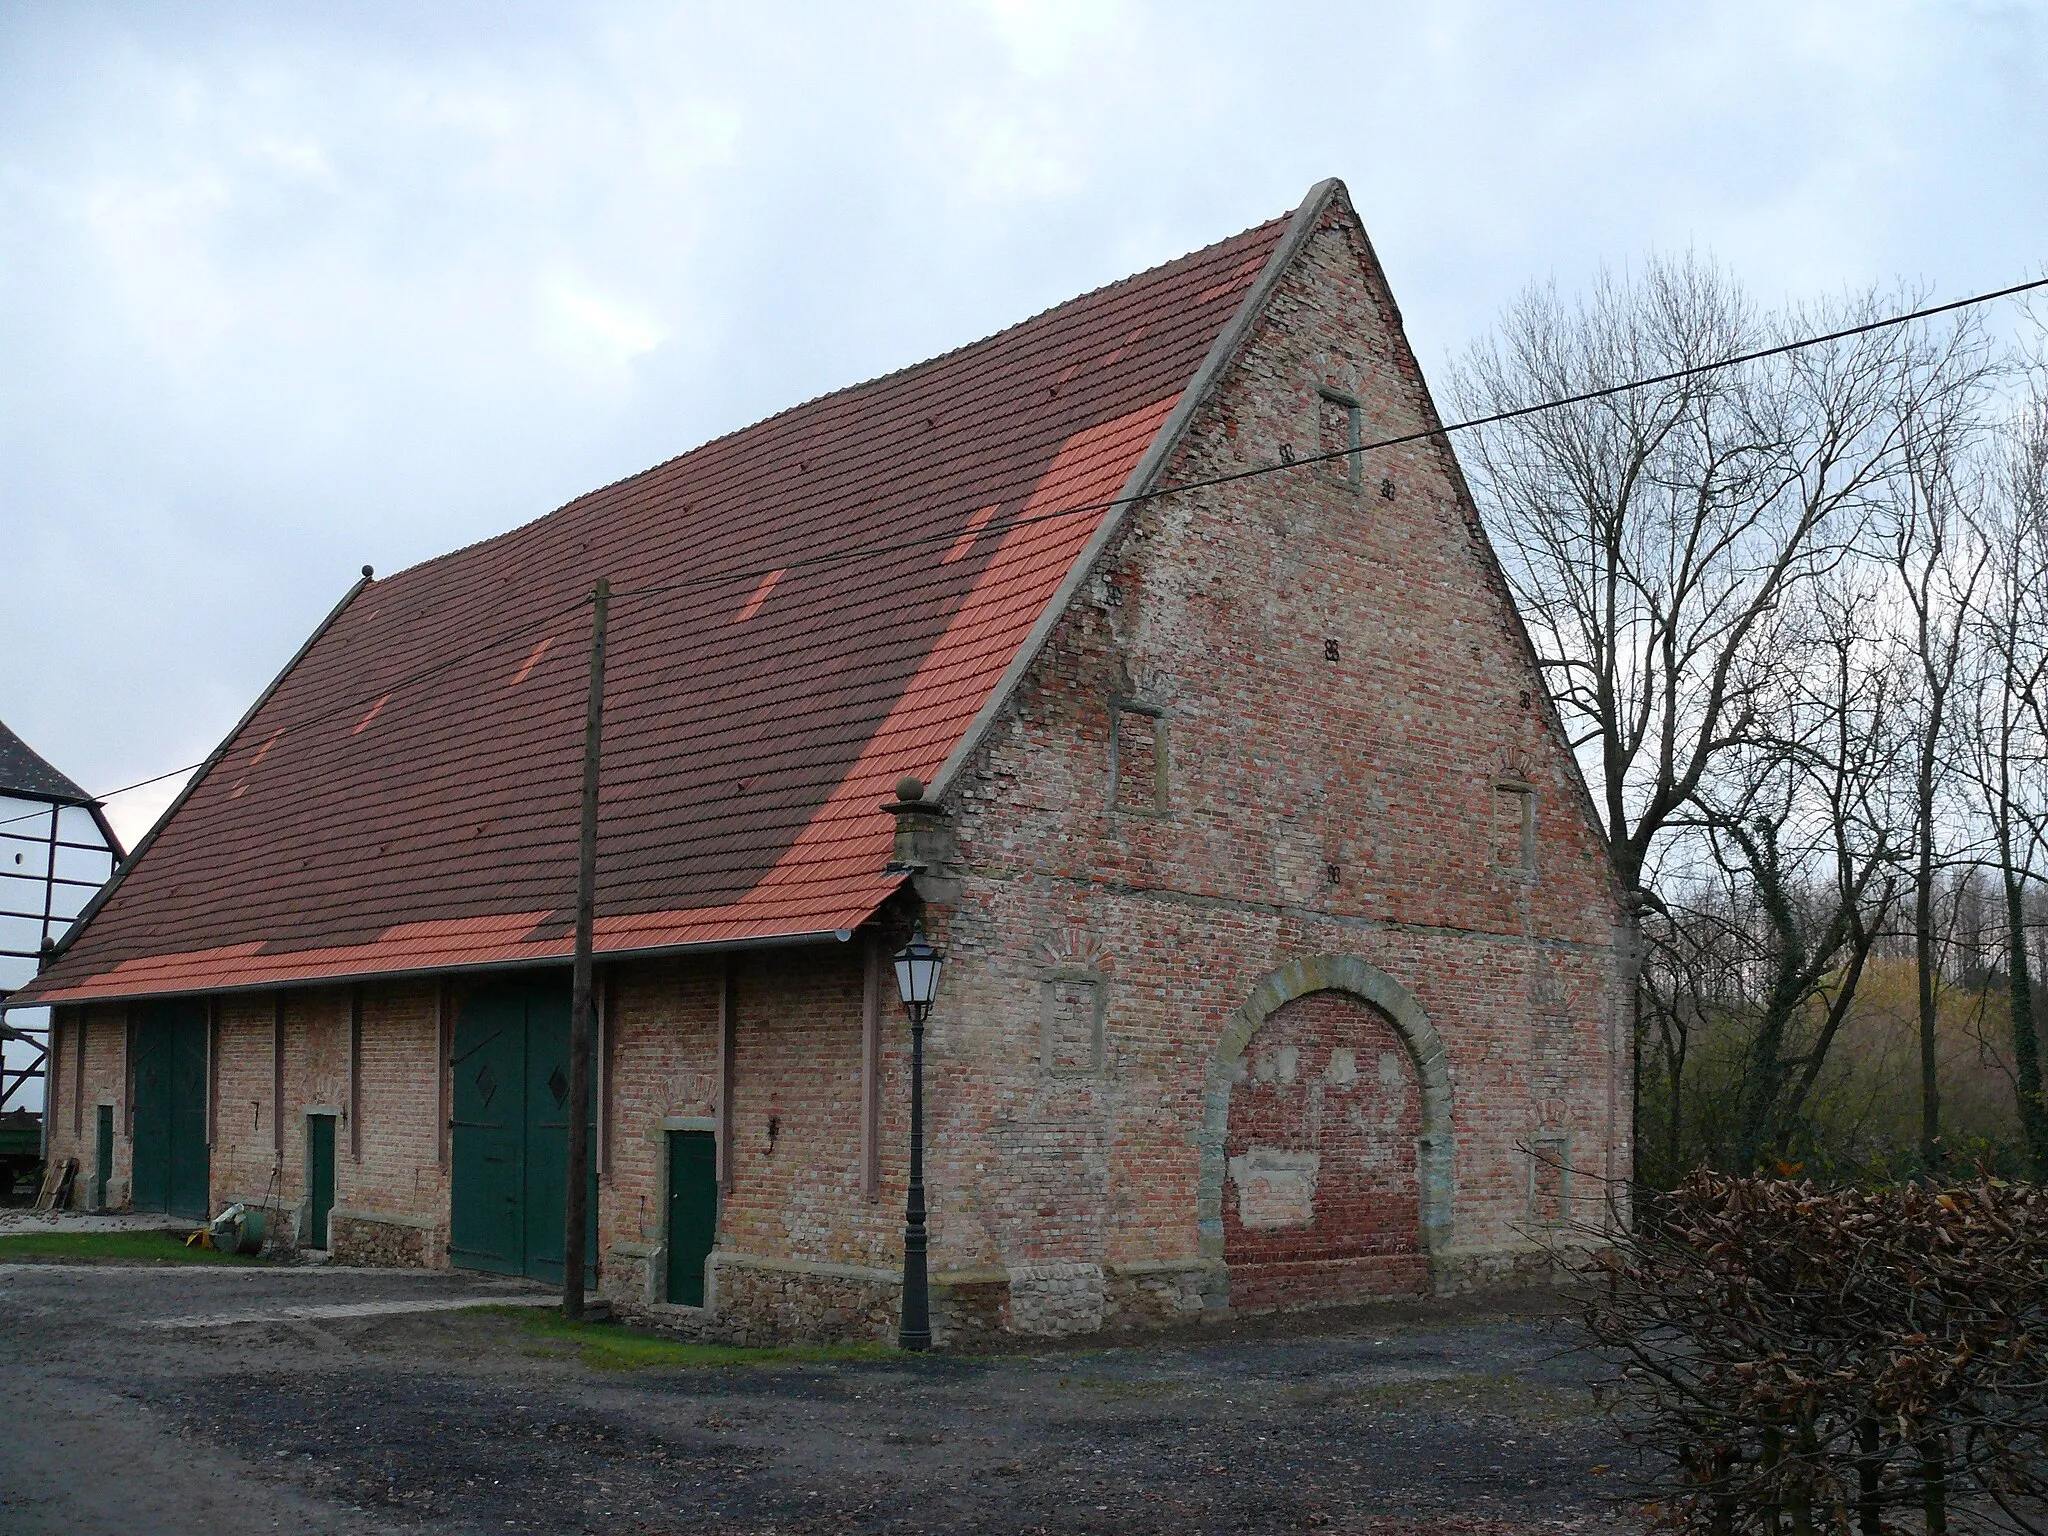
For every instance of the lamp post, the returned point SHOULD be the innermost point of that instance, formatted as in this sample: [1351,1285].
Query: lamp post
[917,979]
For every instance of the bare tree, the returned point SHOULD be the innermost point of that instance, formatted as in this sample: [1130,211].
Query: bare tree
[1935,561]
[1807,814]
[1652,535]
[2007,729]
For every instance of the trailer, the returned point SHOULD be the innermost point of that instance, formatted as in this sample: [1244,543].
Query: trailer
[21,1151]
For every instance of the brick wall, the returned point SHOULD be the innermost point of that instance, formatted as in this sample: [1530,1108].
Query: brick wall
[78,1094]
[794,1187]
[245,1116]
[663,1024]
[399,1174]
[1348,716]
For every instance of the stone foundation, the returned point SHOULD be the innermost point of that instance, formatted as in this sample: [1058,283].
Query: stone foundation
[970,1308]
[1464,1271]
[628,1278]
[1055,1299]
[768,1301]
[755,1301]
[1160,1293]
[382,1241]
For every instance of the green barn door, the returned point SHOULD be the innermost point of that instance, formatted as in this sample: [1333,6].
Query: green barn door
[319,1178]
[102,1157]
[547,1137]
[692,1213]
[188,1112]
[511,1132]
[150,1183]
[170,1110]
[486,1224]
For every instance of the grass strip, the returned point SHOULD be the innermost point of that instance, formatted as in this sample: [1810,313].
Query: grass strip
[111,1248]
[614,1347]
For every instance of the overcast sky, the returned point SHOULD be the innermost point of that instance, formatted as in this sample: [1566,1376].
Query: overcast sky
[287,289]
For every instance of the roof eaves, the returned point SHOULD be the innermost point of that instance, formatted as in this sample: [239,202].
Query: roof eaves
[1225,347]
[493,966]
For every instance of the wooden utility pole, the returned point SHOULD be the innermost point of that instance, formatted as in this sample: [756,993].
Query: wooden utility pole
[576,1199]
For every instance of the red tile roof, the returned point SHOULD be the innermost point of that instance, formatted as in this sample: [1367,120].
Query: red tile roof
[405,799]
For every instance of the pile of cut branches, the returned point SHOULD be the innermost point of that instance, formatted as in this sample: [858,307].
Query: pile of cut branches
[1807,1359]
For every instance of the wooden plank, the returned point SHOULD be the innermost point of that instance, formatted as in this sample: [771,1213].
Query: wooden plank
[871,1073]
[728,1007]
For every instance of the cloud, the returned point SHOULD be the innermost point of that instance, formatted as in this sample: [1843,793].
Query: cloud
[287,289]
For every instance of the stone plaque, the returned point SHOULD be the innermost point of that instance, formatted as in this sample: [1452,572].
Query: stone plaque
[1276,1188]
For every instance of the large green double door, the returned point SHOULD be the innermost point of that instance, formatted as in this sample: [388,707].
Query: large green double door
[170,1167]
[511,1132]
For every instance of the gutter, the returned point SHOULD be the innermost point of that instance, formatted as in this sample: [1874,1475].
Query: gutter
[459,968]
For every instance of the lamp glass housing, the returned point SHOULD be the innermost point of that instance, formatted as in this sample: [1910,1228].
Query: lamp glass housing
[917,973]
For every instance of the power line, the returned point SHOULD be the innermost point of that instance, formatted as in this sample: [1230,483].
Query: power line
[999,526]
[340,710]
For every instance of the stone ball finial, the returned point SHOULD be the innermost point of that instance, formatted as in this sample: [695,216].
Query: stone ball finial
[368,572]
[910,787]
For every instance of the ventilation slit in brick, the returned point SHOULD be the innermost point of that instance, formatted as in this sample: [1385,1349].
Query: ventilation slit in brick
[1138,786]
[1070,1025]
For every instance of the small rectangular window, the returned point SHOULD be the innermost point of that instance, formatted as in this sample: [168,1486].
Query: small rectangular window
[1514,826]
[1342,431]
[1073,1023]
[1550,1181]
[1138,759]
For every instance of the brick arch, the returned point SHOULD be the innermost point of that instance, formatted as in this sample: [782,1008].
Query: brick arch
[1369,984]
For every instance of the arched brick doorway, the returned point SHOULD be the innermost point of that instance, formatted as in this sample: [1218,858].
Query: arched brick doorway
[1368,1174]
[1321,1197]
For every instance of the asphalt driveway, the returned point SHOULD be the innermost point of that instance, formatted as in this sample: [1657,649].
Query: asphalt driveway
[153,1400]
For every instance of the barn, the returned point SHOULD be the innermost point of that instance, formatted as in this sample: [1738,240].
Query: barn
[1284,966]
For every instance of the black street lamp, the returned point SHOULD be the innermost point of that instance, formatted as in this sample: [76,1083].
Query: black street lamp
[917,978]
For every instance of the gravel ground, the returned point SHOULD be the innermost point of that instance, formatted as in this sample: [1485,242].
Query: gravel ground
[16,1220]
[1422,1418]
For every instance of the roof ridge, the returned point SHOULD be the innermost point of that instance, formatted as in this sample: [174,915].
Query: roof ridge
[844,389]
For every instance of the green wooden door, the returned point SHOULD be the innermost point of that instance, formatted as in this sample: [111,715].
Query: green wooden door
[547,1137]
[102,1157]
[170,1110]
[319,1178]
[486,1222]
[149,1187]
[511,1124]
[692,1213]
